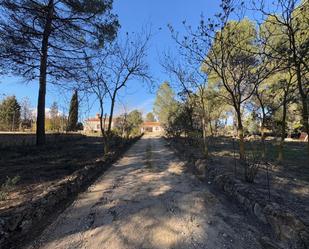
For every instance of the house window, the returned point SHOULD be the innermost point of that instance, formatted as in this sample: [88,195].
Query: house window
[98,126]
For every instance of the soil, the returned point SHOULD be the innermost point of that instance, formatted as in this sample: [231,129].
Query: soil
[41,168]
[288,181]
[148,199]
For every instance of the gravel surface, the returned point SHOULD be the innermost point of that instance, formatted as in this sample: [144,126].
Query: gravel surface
[148,200]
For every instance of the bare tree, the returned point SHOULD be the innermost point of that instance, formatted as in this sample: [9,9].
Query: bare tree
[192,82]
[286,85]
[113,70]
[126,62]
[26,112]
[228,53]
[93,83]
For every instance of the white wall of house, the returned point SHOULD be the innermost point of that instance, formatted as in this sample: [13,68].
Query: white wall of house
[93,124]
[151,128]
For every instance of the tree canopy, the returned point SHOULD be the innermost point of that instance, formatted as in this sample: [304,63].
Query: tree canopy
[73,113]
[9,114]
[150,117]
[165,103]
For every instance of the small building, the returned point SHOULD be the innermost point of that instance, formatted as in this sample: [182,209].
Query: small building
[93,124]
[151,127]
[303,137]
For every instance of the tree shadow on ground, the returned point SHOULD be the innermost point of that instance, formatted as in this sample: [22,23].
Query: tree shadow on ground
[288,182]
[40,168]
[139,207]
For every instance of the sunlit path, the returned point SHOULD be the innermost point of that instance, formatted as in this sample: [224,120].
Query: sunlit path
[147,200]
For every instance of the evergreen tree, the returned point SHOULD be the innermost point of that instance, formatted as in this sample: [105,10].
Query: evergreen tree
[73,113]
[233,67]
[47,39]
[134,120]
[287,35]
[150,117]
[165,103]
[9,114]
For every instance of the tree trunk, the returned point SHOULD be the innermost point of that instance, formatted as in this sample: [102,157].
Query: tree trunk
[263,137]
[110,120]
[40,124]
[216,127]
[102,128]
[211,129]
[235,124]
[111,112]
[205,142]
[204,127]
[283,127]
[305,114]
[240,130]
[105,139]
[305,117]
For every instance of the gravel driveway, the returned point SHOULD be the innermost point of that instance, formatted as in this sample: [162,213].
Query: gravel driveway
[148,200]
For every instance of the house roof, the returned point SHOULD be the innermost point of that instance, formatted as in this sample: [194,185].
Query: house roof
[97,119]
[151,124]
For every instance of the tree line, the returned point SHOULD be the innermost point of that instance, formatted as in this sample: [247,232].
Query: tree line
[46,41]
[74,45]
[255,71]
[20,116]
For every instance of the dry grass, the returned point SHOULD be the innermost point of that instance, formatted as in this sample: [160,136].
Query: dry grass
[8,139]
[41,168]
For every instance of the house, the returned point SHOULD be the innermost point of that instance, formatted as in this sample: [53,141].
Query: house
[303,136]
[151,127]
[93,124]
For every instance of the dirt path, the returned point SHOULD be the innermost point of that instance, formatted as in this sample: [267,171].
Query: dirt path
[147,200]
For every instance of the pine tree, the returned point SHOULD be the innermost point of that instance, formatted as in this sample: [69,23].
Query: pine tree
[73,113]
[47,40]
[165,103]
[9,114]
[150,117]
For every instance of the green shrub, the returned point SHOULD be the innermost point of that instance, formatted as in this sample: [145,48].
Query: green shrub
[7,186]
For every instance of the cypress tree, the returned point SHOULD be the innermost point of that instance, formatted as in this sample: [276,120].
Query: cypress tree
[73,113]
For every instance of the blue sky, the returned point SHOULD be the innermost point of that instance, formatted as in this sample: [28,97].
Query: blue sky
[133,16]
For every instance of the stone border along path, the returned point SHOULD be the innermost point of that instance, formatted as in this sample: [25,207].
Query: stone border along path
[158,205]
[25,221]
[285,226]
